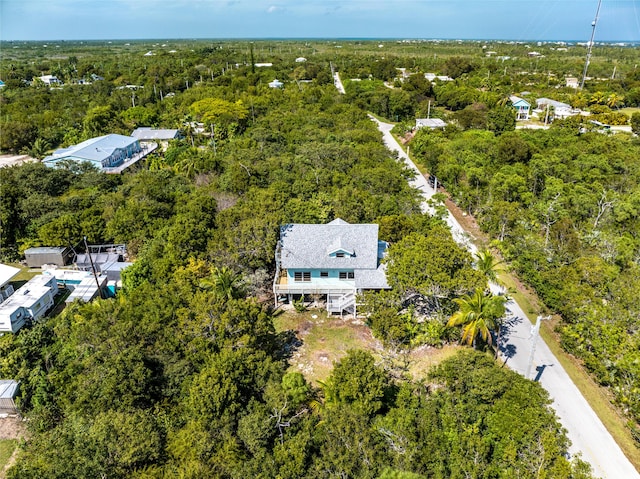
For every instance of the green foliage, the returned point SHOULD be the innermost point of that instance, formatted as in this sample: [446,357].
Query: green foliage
[432,265]
[181,376]
[635,123]
[479,313]
[563,207]
[357,381]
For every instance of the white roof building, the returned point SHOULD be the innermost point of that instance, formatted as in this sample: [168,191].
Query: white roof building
[30,301]
[145,133]
[276,84]
[430,123]
[82,284]
[110,153]
[50,80]
[6,273]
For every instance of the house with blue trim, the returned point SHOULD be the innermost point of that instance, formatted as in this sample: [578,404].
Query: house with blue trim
[521,106]
[336,260]
[109,153]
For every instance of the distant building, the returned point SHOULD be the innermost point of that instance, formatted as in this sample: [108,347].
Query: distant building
[430,123]
[432,77]
[58,255]
[262,65]
[109,153]
[30,302]
[1,84]
[301,60]
[146,134]
[571,82]
[276,84]
[50,80]
[521,106]
[560,109]
[95,77]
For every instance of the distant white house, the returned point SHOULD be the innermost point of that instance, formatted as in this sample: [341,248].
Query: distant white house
[163,136]
[560,109]
[276,84]
[571,82]
[301,60]
[429,123]
[521,106]
[109,153]
[432,77]
[29,302]
[263,65]
[50,80]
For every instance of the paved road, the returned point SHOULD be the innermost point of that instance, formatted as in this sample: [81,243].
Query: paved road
[338,83]
[588,435]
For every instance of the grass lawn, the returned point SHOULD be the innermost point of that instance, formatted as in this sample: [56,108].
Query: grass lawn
[7,446]
[22,277]
[629,110]
[325,340]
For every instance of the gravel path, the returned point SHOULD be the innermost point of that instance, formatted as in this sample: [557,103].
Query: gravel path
[588,435]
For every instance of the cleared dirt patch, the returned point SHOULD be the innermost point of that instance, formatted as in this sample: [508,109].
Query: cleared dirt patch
[325,340]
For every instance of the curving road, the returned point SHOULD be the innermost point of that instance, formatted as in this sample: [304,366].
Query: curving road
[588,435]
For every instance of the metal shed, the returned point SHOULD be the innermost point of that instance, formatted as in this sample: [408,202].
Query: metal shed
[8,391]
[58,255]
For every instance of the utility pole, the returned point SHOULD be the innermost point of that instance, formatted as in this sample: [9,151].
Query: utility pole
[93,268]
[213,139]
[535,332]
[590,46]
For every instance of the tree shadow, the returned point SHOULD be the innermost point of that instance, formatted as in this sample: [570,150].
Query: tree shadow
[287,343]
[506,349]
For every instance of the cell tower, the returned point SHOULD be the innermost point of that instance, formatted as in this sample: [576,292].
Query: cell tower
[590,46]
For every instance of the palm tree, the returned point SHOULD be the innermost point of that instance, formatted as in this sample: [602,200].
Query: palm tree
[597,98]
[479,315]
[39,148]
[225,283]
[488,264]
[613,100]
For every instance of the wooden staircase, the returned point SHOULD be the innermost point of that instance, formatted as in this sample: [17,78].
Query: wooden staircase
[343,303]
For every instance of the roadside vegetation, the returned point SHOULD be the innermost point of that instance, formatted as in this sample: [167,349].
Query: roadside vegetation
[190,372]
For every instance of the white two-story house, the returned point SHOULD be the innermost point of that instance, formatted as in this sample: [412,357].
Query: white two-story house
[335,260]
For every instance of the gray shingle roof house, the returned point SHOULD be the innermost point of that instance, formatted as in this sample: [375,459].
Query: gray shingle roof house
[336,259]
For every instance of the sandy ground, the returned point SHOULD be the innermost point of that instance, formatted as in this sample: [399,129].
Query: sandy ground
[11,160]
[11,428]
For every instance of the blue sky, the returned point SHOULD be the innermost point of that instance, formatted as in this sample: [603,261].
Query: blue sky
[456,19]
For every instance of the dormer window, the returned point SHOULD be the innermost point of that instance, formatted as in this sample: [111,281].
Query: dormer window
[340,255]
